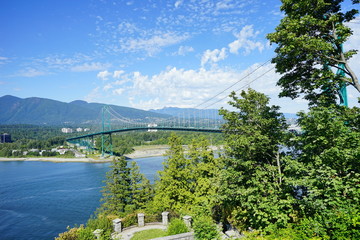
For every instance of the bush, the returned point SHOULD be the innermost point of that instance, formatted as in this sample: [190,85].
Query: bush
[70,234]
[130,220]
[177,226]
[205,228]
[99,223]
[85,234]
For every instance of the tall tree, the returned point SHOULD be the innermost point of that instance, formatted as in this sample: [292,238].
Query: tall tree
[253,188]
[141,189]
[309,49]
[117,192]
[205,171]
[173,190]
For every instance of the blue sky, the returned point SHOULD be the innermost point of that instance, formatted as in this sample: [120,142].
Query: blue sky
[145,54]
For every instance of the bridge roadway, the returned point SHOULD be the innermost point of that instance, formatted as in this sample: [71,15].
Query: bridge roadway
[189,129]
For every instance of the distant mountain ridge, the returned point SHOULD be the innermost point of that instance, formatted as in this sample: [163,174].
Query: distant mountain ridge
[189,112]
[193,112]
[42,111]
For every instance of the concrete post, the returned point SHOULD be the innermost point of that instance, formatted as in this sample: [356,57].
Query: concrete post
[165,218]
[141,219]
[117,225]
[98,233]
[187,221]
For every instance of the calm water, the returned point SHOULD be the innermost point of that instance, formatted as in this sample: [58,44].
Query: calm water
[38,200]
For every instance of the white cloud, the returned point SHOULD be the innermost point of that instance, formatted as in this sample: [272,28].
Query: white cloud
[88,67]
[244,41]
[107,87]
[187,88]
[3,60]
[104,75]
[213,56]
[183,50]
[118,73]
[31,72]
[224,5]
[153,44]
[93,96]
[118,91]
[178,3]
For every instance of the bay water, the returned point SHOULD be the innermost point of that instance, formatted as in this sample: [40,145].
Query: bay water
[38,200]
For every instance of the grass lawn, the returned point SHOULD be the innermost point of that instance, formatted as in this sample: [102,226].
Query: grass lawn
[149,234]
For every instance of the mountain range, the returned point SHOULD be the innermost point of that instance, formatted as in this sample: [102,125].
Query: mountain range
[42,111]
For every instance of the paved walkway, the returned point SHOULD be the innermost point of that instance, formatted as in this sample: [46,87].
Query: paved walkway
[127,234]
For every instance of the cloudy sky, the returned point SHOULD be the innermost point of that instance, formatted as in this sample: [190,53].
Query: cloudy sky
[143,53]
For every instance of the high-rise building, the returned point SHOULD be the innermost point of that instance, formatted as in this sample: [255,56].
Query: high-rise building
[5,138]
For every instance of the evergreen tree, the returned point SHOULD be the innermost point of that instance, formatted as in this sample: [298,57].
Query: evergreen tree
[141,189]
[173,190]
[117,192]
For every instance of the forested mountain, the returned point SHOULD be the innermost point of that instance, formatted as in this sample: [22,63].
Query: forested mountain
[35,110]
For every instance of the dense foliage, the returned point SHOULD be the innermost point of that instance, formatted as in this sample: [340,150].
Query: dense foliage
[253,189]
[276,184]
[188,182]
[126,189]
[309,49]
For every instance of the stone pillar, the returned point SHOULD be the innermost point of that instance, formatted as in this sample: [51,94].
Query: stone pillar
[141,219]
[117,225]
[98,233]
[165,218]
[187,221]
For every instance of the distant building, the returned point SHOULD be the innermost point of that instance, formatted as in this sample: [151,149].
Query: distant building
[5,138]
[66,130]
[151,125]
[79,129]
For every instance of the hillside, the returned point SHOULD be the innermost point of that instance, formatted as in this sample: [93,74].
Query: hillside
[43,111]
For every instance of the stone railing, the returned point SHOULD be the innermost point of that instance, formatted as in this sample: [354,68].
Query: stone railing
[117,223]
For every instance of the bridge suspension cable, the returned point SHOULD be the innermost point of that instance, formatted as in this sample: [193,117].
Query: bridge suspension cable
[232,85]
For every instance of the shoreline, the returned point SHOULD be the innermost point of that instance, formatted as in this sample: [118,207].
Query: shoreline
[140,152]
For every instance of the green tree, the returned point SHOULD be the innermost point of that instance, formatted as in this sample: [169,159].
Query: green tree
[117,192]
[311,35]
[190,180]
[329,149]
[126,189]
[205,171]
[141,189]
[253,187]
[173,190]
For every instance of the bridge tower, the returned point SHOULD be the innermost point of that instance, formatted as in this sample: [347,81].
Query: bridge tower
[106,140]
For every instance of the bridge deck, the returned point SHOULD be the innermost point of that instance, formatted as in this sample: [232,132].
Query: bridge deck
[211,130]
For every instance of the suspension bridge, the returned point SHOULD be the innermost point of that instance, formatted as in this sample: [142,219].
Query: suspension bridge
[112,123]
[194,120]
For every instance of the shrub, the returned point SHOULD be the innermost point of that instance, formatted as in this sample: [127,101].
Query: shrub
[101,222]
[177,226]
[205,228]
[85,234]
[70,234]
[130,220]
